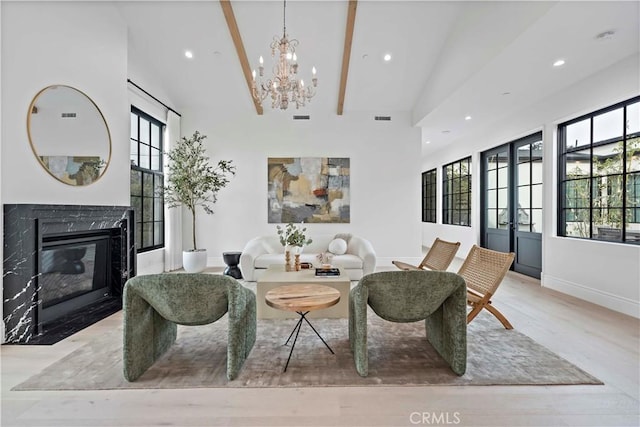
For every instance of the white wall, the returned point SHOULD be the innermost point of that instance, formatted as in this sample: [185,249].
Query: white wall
[79,44]
[604,273]
[385,166]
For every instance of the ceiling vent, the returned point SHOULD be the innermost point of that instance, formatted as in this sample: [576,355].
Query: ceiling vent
[301,117]
[383,118]
[68,115]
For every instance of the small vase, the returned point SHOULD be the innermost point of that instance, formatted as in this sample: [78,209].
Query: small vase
[287,259]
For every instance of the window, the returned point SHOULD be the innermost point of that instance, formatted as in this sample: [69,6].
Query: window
[147,180]
[599,167]
[456,193]
[429,194]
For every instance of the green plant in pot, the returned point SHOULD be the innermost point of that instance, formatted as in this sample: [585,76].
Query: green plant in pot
[293,239]
[193,181]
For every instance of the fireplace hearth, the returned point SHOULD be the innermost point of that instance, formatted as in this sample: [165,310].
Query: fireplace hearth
[64,268]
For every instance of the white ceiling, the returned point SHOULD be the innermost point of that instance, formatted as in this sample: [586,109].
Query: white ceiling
[449,59]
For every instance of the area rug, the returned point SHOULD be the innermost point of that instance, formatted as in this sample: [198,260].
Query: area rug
[399,355]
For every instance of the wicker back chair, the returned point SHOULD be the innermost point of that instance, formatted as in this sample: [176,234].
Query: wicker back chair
[483,271]
[440,255]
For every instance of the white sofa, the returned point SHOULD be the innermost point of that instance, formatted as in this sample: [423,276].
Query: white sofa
[261,252]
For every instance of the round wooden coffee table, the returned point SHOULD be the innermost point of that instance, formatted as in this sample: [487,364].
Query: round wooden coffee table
[302,299]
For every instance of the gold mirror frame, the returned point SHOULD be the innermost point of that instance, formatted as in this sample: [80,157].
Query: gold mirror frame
[70,169]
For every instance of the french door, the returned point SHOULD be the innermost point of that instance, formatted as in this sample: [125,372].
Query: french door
[511,203]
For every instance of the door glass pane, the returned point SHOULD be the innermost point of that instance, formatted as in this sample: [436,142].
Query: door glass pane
[524,153]
[536,220]
[536,196]
[523,197]
[492,218]
[492,162]
[608,125]
[492,199]
[492,179]
[502,198]
[503,176]
[524,219]
[578,134]
[536,171]
[524,170]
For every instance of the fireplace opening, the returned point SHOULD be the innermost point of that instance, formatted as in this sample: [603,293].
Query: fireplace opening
[75,272]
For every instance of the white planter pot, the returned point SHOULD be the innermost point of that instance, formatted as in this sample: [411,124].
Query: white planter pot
[194,261]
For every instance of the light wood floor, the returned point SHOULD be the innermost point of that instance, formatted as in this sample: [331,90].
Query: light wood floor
[602,342]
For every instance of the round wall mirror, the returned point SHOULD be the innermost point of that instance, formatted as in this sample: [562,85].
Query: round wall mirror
[69,135]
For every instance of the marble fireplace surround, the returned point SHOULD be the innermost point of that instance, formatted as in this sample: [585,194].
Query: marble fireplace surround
[25,227]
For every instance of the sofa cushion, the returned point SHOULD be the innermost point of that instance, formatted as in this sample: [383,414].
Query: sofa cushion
[338,247]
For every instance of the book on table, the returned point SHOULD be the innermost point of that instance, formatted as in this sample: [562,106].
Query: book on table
[327,272]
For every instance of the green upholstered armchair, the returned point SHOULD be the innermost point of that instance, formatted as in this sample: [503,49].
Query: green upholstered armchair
[156,303]
[439,298]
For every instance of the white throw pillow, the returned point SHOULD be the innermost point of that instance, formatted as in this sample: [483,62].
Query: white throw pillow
[338,247]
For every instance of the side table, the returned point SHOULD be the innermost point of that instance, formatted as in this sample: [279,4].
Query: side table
[302,299]
[232,259]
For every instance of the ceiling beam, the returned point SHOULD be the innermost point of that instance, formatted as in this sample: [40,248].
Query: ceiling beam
[346,53]
[242,54]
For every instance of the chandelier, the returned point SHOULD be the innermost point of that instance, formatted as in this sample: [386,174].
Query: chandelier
[284,86]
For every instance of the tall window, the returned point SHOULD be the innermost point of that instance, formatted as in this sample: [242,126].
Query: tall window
[456,193]
[147,180]
[600,174]
[429,194]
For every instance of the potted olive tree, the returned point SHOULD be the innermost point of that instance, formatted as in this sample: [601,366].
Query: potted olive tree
[194,182]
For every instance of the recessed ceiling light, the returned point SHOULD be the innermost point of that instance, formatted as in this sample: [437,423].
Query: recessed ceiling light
[387,57]
[559,63]
[446,131]
[427,142]
[506,93]
[217,52]
[188,54]
[467,118]
[365,56]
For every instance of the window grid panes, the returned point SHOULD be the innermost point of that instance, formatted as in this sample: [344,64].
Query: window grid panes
[147,180]
[599,164]
[456,193]
[429,195]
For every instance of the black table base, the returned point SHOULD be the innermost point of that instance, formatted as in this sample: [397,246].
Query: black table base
[296,330]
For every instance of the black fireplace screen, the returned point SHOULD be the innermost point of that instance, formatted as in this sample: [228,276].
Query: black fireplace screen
[74,272]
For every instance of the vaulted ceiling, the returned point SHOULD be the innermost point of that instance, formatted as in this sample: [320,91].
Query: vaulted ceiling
[450,59]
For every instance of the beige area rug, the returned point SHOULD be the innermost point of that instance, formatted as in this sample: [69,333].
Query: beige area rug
[398,355]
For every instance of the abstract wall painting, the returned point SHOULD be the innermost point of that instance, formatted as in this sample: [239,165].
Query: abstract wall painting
[308,189]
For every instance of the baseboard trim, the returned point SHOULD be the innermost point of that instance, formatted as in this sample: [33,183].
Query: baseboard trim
[605,299]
